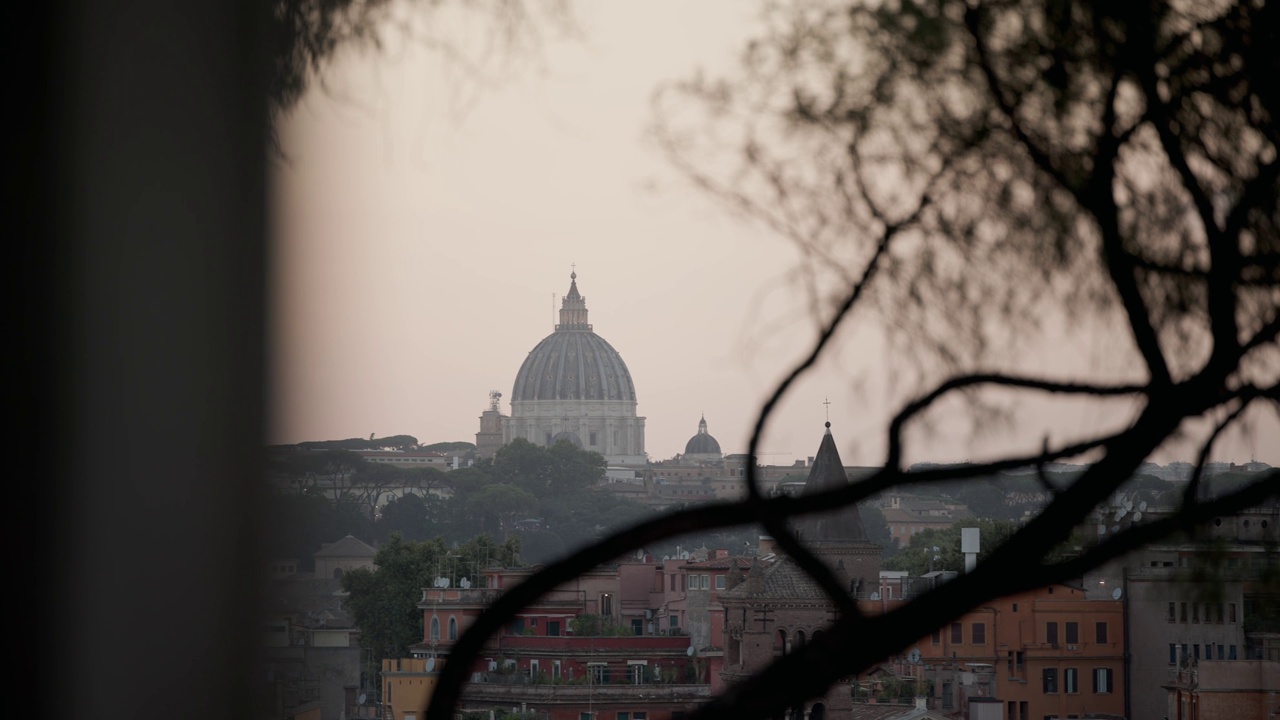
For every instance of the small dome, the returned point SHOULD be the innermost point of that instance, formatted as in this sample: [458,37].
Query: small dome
[568,436]
[702,443]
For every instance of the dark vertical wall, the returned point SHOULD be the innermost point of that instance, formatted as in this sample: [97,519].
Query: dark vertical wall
[138,167]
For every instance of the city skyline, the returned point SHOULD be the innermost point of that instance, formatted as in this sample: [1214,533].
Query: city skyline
[421,247]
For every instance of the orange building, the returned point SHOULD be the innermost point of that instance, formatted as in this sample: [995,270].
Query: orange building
[1048,652]
[1228,689]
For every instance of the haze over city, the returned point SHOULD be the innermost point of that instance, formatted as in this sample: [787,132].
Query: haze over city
[426,223]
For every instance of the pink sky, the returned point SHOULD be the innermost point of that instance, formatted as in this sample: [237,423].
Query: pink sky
[420,250]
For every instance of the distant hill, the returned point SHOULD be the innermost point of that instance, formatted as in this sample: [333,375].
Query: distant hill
[393,442]
[448,447]
[396,442]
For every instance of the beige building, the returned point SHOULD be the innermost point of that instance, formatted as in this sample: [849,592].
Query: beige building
[349,553]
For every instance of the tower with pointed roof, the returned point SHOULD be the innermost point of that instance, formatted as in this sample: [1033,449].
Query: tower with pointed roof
[575,387]
[838,536]
[779,607]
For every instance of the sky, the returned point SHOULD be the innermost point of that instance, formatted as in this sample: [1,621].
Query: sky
[425,224]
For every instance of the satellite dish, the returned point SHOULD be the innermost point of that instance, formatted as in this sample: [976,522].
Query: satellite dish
[1115,594]
[464,583]
[1115,528]
[360,700]
[690,651]
[1122,512]
[1137,516]
[684,555]
[431,664]
[913,657]
[875,596]
[1142,506]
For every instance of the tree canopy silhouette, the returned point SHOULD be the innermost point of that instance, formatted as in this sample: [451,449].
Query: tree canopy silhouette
[963,168]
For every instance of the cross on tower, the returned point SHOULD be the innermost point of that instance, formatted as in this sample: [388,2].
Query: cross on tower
[827,402]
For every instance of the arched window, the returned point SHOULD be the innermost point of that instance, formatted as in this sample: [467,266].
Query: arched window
[817,712]
[799,639]
[435,628]
[780,643]
[337,573]
[453,628]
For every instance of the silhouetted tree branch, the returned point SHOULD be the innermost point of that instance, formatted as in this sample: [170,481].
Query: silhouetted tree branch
[1079,157]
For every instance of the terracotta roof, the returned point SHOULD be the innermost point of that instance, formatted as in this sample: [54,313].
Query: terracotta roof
[727,563]
[782,580]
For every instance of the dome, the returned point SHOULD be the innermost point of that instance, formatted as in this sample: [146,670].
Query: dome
[573,363]
[570,437]
[702,443]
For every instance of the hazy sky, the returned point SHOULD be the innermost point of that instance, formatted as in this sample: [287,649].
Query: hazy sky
[422,242]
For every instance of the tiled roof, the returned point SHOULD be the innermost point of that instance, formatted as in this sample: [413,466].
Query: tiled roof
[349,546]
[735,562]
[783,580]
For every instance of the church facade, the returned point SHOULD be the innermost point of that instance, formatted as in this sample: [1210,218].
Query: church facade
[574,386]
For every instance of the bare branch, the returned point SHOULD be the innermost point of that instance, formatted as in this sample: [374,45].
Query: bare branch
[894,456]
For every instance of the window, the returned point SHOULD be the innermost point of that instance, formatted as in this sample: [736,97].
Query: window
[978,632]
[674,620]
[555,669]
[1231,652]
[1221,649]
[1018,658]
[1050,680]
[1073,633]
[1182,615]
[1173,612]
[435,628]
[533,668]
[1208,651]
[453,628]
[606,604]
[719,582]
[1100,633]
[1221,612]
[1102,680]
[1015,609]
[553,628]
[1173,653]
[593,437]
[1195,652]
[1231,612]
[1051,633]
[636,669]
[1195,612]
[673,582]
[1071,680]
[957,633]
[947,700]
[937,637]
[599,673]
